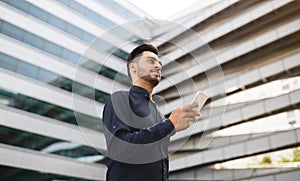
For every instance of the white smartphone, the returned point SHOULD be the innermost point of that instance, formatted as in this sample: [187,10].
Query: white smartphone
[200,98]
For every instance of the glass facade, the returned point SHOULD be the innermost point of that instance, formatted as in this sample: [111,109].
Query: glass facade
[53,49]
[23,139]
[102,21]
[29,104]
[26,175]
[39,143]
[261,121]
[51,78]
[120,10]
[74,31]
[38,42]
[87,12]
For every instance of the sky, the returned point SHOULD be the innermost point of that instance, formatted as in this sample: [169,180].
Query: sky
[164,9]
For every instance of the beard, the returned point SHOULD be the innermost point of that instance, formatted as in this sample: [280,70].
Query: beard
[152,80]
[148,78]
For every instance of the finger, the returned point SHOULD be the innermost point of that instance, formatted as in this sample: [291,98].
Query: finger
[192,113]
[191,119]
[189,107]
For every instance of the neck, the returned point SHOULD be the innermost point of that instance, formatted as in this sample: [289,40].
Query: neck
[146,85]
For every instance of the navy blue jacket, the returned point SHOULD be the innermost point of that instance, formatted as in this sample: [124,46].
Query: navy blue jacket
[137,137]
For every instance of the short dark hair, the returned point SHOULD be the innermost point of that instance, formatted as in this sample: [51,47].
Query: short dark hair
[138,51]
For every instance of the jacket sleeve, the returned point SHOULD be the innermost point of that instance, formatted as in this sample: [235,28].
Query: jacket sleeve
[117,129]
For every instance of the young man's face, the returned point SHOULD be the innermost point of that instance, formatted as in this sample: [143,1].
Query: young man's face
[149,67]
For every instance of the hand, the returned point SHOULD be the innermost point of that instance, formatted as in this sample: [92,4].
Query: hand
[181,117]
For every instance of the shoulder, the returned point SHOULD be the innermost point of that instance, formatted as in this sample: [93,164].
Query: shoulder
[116,97]
[116,102]
[119,93]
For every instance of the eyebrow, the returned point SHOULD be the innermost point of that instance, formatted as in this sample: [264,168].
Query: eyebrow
[154,58]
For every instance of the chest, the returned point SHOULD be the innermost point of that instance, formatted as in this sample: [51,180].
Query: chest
[144,113]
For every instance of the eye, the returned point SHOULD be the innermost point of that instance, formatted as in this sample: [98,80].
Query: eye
[151,61]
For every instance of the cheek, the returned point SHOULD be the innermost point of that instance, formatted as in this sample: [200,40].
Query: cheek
[141,72]
[145,69]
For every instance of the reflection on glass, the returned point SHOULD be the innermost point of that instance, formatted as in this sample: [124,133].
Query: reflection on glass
[45,76]
[12,173]
[54,49]
[42,108]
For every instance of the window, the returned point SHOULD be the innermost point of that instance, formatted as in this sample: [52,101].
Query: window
[52,48]
[12,31]
[46,76]
[53,20]
[8,62]
[70,56]
[27,69]
[33,40]
[38,13]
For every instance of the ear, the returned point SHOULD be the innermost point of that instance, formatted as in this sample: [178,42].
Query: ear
[132,67]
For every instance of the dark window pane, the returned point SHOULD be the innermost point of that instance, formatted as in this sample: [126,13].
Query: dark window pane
[91,14]
[29,104]
[8,62]
[33,40]
[76,6]
[73,30]
[52,48]
[88,13]
[22,5]
[53,20]
[120,53]
[70,56]
[88,37]
[46,76]
[27,69]
[120,9]
[102,45]
[12,31]
[38,13]
[66,2]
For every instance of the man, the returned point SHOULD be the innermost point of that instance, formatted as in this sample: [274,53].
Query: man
[137,135]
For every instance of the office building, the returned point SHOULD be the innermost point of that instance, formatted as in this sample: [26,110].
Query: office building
[61,59]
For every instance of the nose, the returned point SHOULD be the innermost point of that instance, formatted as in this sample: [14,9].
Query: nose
[157,66]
